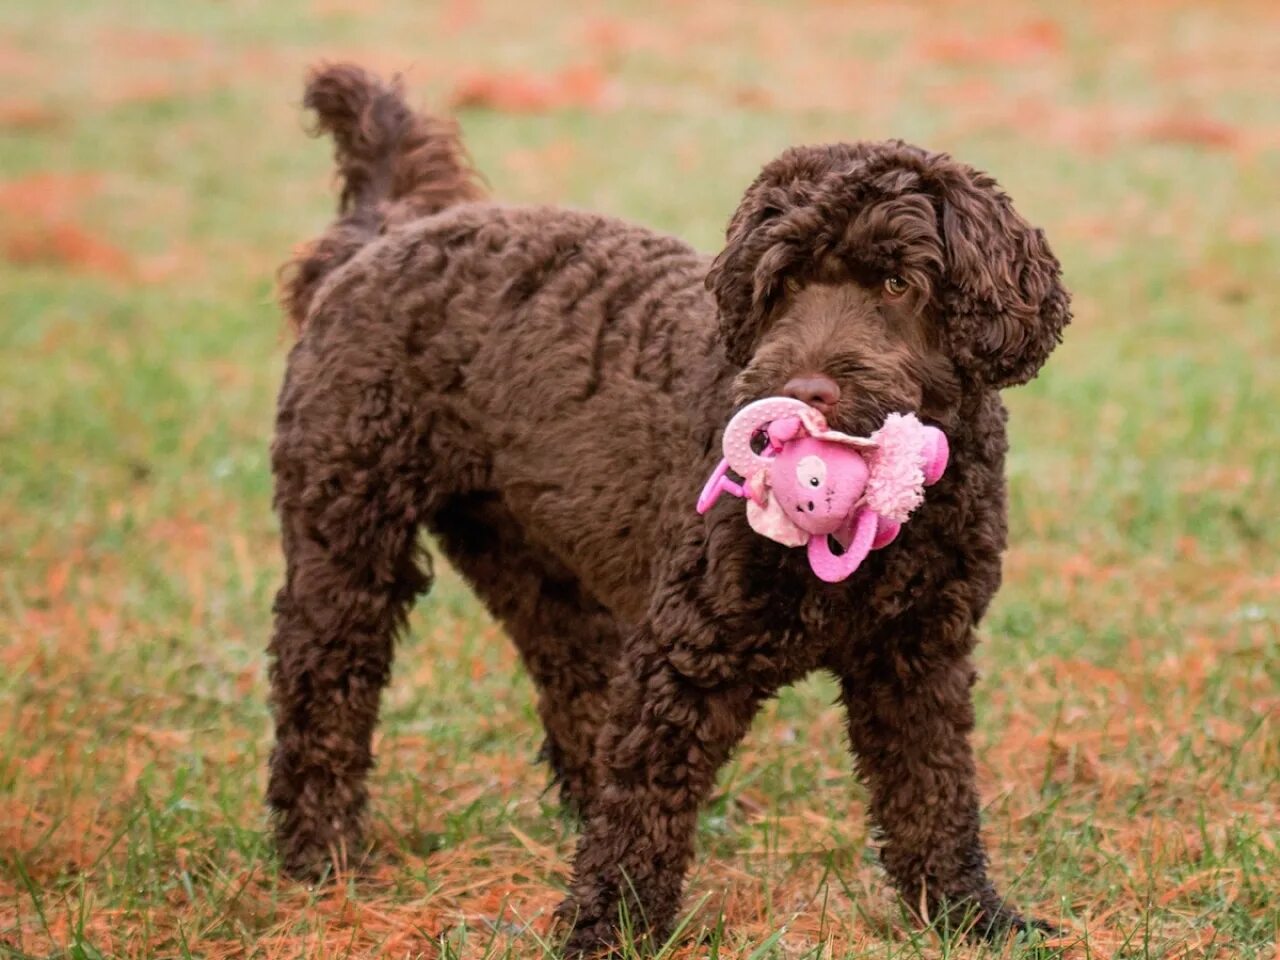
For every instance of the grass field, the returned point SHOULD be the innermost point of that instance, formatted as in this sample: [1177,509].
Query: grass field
[153,173]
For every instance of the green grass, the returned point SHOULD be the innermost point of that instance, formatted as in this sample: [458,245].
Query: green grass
[153,173]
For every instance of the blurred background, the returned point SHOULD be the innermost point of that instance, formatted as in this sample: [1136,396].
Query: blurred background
[154,172]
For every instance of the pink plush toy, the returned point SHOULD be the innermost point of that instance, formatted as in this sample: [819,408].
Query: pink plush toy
[809,483]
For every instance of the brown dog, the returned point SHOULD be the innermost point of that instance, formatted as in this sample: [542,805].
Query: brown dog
[544,390]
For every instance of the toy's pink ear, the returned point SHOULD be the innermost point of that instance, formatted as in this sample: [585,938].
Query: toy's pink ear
[937,453]
[886,532]
[908,456]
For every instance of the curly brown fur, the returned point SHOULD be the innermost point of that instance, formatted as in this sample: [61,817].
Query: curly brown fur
[394,165]
[544,391]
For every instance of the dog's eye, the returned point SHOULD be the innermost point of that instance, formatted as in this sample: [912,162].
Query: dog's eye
[814,481]
[895,286]
[792,285]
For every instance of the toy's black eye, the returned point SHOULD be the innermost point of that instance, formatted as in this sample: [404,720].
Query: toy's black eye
[895,286]
[814,481]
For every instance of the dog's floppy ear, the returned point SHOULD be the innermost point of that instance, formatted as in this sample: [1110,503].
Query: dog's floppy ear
[1004,299]
[767,239]
[744,294]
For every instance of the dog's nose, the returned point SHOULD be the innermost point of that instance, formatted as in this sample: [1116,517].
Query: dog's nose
[816,389]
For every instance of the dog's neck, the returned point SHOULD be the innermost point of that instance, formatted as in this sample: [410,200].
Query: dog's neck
[977,430]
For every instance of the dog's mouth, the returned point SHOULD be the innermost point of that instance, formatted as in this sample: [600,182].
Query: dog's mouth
[863,416]
[858,412]
[856,421]
[850,421]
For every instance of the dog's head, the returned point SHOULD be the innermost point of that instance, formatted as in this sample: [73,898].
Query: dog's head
[898,276]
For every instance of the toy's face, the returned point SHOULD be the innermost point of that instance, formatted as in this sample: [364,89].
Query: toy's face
[817,483]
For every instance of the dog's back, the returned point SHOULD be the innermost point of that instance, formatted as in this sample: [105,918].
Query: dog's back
[528,347]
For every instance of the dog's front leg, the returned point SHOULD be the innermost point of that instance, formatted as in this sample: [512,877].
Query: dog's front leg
[666,735]
[909,726]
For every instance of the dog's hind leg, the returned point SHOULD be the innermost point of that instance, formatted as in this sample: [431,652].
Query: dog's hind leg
[567,640]
[564,648]
[349,494]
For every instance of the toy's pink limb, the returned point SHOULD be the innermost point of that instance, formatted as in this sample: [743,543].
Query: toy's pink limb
[717,484]
[827,566]
[782,430]
[886,532]
[937,452]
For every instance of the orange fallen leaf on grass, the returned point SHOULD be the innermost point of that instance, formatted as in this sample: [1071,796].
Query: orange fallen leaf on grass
[39,214]
[752,97]
[1024,44]
[140,90]
[518,92]
[1191,129]
[46,196]
[16,62]
[26,115]
[64,244]
[160,45]
[963,94]
[608,36]
[55,582]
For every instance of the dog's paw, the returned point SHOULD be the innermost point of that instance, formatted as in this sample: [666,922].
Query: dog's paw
[997,922]
[306,861]
[985,918]
[596,940]
[586,937]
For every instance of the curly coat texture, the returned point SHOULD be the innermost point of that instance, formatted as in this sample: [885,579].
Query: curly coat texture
[544,391]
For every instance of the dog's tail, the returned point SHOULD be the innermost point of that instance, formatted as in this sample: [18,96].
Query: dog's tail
[393,165]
